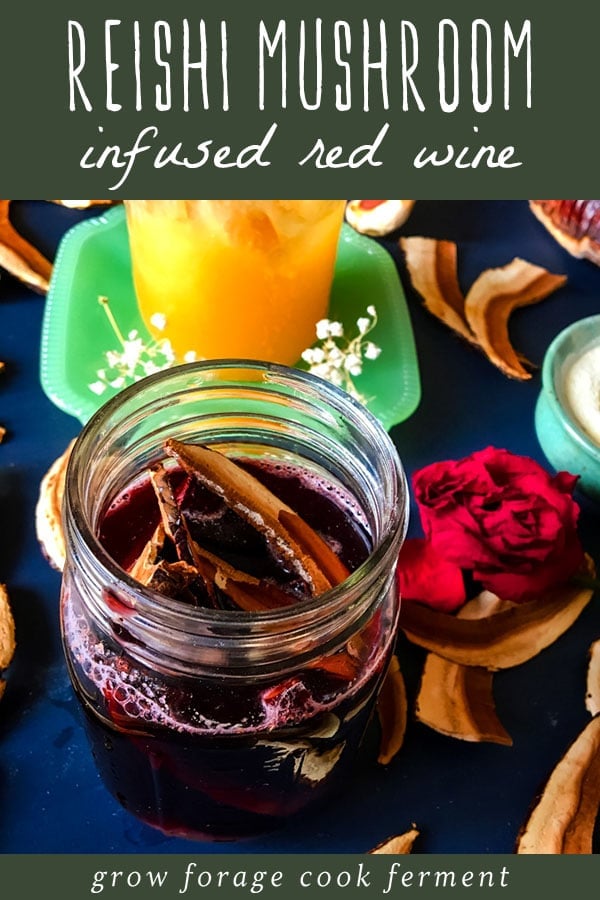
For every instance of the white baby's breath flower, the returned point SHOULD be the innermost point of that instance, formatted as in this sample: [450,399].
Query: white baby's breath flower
[159,321]
[338,359]
[134,359]
[190,356]
[322,329]
[371,350]
[353,364]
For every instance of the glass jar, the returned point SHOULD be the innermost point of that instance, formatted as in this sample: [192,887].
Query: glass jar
[215,723]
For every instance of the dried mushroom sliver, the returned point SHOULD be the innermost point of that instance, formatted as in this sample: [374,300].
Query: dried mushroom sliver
[21,258]
[458,700]
[503,639]
[392,711]
[492,298]
[432,266]
[48,520]
[377,217]
[248,593]
[400,843]
[7,634]
[592,694]
[563,819]
[290,538]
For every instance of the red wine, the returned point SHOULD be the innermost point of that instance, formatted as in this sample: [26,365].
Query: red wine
[221,757]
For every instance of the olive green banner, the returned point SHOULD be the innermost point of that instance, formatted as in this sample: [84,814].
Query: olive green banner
[227,877]
[439,99]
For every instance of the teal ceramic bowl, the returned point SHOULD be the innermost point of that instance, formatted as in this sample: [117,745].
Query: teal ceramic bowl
[566,443]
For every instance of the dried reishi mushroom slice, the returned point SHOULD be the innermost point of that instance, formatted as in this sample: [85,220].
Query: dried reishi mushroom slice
[563,819]
[432,266]
[492,298]
[575,224]
[195,562]
[21,258]
[377,217]
[48,519]
[592,694]
[7,634]
[503,639]
[400,843]
[247,592]
[458,700]
[392,711]
[290,539]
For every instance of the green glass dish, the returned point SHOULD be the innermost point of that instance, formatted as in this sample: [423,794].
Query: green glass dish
[93,260]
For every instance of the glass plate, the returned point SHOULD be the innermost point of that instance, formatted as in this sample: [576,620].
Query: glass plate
[93,260]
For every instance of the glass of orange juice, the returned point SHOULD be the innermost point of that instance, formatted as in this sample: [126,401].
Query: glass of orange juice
[234,278]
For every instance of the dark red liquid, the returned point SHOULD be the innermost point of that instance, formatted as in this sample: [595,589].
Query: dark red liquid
[214,757]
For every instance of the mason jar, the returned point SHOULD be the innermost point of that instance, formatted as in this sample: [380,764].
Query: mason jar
[218,722]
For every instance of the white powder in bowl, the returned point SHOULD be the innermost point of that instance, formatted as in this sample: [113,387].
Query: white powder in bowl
[582,392]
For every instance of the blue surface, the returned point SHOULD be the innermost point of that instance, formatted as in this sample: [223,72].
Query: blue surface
[463,797]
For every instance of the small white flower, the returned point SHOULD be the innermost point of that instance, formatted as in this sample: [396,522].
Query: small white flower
[353,364]
[134,359]
[190,356]
[322,329]
[371,350]
[338,359]
[159,321]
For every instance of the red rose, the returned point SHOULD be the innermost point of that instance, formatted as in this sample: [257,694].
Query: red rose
[423,574]
[503,518]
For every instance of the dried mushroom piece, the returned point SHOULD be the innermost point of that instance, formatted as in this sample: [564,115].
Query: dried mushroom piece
[290,539]
[7,635]
[21,258]
[2,428]
[592,694]
[176,562]
[458,700]
[377,217]
[508,637]
[392,711]
[432,266]
[482,316]
[575,224]
[492,298]
[400,843]
[563,819]
[196,569]
[48,520]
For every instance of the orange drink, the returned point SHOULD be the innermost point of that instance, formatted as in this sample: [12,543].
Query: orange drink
[234,278]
